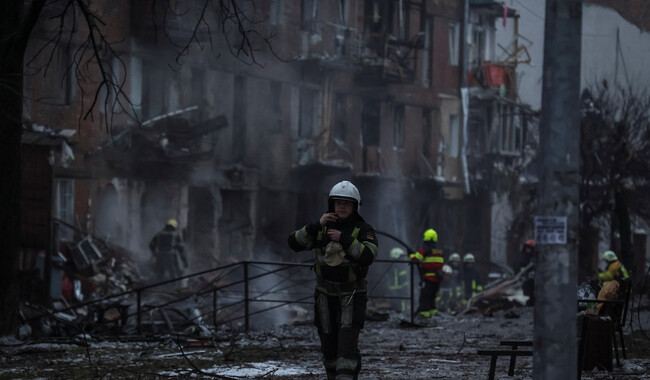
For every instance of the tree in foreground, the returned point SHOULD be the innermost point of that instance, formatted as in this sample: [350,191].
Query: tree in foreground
[75,28]
[615,167]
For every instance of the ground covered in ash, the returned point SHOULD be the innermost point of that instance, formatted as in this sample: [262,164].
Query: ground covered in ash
[442,348]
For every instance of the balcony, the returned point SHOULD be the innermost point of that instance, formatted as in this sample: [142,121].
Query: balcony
[390,59]
[373,55]
[323,153]
[332,45]
[496,76]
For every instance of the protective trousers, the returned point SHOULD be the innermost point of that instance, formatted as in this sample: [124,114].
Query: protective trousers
[339,319]
[428,296]
[169,263]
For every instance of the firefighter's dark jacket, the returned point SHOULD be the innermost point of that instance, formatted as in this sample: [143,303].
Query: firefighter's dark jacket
[167,241]
[358,240]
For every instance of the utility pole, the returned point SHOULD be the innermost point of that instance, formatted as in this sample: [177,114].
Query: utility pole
[556,222]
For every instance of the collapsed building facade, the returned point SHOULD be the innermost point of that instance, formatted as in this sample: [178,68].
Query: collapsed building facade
[368,91]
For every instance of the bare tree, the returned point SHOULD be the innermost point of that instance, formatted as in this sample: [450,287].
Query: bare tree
[75,27]
[615,167]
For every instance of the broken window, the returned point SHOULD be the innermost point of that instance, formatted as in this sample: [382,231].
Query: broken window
[426,133]
[404,20]
[370,123]
[202,223]
[440,165]
[276,12]
[454,136]
[340,117]
[198,80]
[65,207]
[427,56]
[481,45]
[85,253]
[370,134]
[308,109]
[136,82]
[239,119]
[108,95]
[510,129]
[398,127]
[308,15]
[294,112]
[65,89]
[235,225]
[477,43]
[276,107]
[343,12]
[375,14]
[454,43]
[154,102]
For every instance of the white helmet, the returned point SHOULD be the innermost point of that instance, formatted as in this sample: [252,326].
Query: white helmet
[346,191]
[609,256]
[454,257]
[468,258]
[396,253]
[446,269]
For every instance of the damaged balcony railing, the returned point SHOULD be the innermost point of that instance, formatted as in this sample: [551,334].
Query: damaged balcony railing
[224,288]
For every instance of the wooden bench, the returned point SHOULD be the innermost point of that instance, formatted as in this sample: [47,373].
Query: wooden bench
[513,352]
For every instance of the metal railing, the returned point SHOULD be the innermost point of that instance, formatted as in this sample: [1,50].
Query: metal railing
[251,292]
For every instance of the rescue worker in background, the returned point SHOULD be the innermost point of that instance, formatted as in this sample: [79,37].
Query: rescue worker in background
[615,269]
[452,284]
[471,277]
[344,247]
[399,281]
[444,300]
[167,247]
[431,262]
[527,263]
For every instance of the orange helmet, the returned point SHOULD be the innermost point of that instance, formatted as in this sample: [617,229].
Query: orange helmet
[530,243]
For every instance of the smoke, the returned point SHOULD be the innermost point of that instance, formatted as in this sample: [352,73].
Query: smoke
[289,285]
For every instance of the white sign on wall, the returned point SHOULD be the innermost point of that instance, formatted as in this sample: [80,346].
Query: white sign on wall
[550,230]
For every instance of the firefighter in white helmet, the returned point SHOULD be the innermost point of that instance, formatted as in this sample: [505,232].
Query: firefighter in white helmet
[471,277]
[398,283]
[451,289]
[345,246]
[615,269]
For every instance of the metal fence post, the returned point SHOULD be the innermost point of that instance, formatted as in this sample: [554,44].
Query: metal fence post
[412,290]
[138,295]
[214,308]
[246,295]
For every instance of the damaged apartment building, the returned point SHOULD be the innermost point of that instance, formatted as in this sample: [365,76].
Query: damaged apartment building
[241,154]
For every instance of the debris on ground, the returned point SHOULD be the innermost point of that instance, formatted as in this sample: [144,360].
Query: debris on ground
[444,348]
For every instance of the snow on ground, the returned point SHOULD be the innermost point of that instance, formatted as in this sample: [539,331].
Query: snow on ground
[444,348]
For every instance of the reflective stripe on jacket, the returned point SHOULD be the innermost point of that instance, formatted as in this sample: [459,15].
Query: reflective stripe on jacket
[615,271]
[431,261]
[358,241]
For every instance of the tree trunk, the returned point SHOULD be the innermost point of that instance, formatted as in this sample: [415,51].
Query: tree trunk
[587,252]
[11,70]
